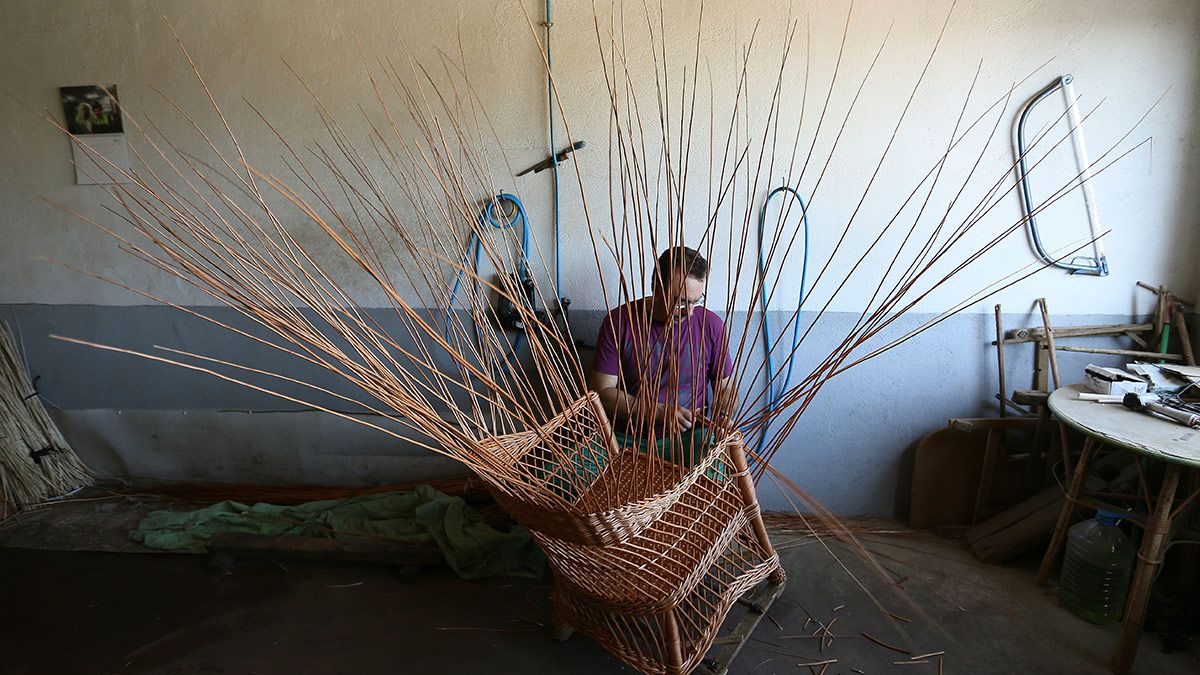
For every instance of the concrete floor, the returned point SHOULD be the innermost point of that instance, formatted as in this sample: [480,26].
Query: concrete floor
[103,612]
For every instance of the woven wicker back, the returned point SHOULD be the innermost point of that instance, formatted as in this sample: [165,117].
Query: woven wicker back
[577,486]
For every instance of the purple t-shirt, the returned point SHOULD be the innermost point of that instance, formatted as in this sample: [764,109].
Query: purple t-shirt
[642,352]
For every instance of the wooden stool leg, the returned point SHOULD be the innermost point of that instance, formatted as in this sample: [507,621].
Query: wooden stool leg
[674,643]
[1158,529]
[990,454]
[1068,510]
[1065,445]
[1040,447]
[1190,563]
[750,500]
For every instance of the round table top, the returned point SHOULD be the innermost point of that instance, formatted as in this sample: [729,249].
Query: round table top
[1114,424]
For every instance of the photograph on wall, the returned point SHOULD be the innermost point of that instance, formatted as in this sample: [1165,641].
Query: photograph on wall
[92,109]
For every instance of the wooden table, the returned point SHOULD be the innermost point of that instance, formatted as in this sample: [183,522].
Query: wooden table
[1116,426]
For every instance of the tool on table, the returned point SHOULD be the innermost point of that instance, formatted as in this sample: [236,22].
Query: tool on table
[1101,398]
[557,159]
[1152,403]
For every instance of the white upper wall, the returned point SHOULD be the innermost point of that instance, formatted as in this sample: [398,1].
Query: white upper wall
[1124,54]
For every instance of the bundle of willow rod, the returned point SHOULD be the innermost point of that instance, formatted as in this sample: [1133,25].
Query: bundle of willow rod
[400,203]
[36,463]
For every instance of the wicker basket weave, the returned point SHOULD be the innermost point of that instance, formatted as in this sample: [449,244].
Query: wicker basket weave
[648,555]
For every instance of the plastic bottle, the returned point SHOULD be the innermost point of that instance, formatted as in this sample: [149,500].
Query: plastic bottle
[1095,573]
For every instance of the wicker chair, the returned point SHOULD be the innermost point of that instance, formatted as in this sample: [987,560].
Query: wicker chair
[648,555]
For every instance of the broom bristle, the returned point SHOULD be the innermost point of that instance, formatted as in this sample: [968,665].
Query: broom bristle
[36,462]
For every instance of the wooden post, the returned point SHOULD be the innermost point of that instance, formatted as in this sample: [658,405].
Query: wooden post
[604,427]
[674,643]
[1158,316]
[746,486]
[1033,334]
[1000,361]
[1161,356]
[1068,509]
[1064,443]
[1154,545]
[1062,429]
[1041,365]
[988,473]
[1185,339]
[1041,445]
[1049,342]
[1190,564]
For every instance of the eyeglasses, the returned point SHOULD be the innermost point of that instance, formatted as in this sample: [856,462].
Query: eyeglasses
[685,303]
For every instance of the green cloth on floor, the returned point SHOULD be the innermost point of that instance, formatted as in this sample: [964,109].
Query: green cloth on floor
[472,548]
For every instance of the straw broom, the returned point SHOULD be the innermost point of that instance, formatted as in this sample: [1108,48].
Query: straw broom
[36,463]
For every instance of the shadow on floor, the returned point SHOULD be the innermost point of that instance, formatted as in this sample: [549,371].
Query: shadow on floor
[107,612]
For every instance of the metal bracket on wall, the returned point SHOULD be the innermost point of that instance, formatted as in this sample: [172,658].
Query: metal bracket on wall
[1097,264]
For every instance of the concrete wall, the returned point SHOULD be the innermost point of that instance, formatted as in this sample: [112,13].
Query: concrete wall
[1126,54]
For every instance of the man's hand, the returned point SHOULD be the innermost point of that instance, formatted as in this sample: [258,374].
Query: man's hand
[619,405]
[675,418]
[720,422]
[724,401]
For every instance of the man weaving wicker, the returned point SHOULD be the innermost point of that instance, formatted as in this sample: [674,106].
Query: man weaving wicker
[657,357]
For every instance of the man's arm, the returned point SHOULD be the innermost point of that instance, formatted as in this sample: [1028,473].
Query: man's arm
[720,373]
[620,406]
[724,401]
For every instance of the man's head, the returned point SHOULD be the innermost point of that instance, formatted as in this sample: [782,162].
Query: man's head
[679,277]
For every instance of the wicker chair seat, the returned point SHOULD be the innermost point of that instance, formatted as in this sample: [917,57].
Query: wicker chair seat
[648,555]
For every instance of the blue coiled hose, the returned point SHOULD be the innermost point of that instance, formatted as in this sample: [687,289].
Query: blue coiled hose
[475,249]
[773,393]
